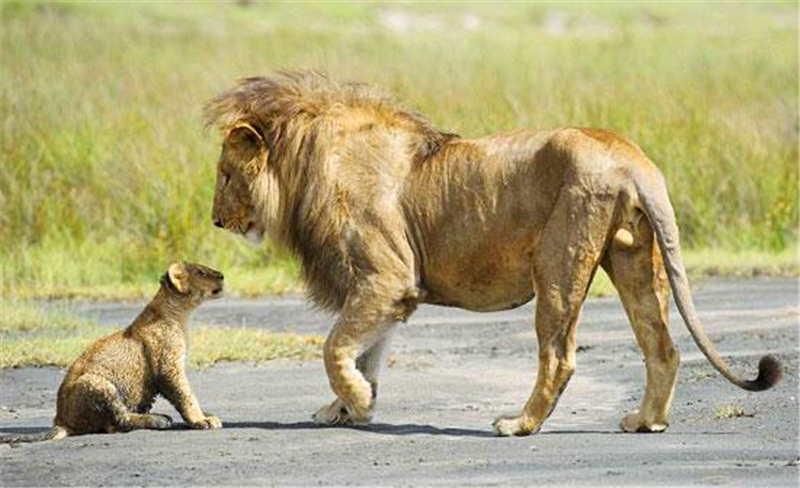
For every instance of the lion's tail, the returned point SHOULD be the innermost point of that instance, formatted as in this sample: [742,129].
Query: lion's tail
[54,434]
[652,192]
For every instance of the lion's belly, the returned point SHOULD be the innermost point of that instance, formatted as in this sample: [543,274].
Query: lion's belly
[485,278]
[476,221]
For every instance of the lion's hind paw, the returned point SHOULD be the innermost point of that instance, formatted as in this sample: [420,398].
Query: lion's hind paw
[635,423]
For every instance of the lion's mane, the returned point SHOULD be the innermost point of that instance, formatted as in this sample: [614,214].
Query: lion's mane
[300,115]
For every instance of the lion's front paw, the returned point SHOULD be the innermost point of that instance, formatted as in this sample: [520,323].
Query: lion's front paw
[634,422]
[337,413]
[207,423]
[514,426]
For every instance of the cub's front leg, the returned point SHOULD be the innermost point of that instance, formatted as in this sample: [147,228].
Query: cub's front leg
[175,388]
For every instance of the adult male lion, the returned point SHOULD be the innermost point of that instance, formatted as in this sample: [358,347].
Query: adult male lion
[385,212]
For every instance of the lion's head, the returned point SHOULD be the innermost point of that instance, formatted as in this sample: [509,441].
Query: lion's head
[279,130]
[242,181]
[292,163]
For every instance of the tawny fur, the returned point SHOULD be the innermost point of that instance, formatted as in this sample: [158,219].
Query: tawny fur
[112,385]
[385,212]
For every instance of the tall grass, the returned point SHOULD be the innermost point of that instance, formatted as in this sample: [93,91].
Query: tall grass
[33,335]
[106,174]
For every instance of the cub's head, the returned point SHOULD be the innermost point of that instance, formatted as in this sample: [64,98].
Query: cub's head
[246,191]
[194,282]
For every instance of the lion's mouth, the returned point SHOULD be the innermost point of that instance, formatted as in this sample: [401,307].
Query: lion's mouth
[253,234]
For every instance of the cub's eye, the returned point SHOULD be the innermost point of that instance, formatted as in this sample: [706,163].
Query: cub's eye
[225,179]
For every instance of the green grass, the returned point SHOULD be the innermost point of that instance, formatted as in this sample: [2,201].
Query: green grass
[707,263]
[211,345]
[747,263]
[731,412]
[106,175]
[33,335]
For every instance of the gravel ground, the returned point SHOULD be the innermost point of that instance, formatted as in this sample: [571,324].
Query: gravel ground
[450,373]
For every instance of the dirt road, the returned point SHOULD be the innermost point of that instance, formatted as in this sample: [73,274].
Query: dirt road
[451,372]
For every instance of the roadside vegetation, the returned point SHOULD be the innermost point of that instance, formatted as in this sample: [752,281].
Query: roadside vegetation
[107,175]
[31,335]
[731,412]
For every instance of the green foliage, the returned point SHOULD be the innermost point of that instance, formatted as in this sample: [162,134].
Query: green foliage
[106,174]
[19,317]
[33,334]
[731,412]
[211,345]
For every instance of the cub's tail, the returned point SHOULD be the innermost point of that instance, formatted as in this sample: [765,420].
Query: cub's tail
[652,192]
[54,434]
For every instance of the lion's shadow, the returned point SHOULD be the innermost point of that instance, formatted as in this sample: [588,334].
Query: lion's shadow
[374,428]
[426,429]
[377,428]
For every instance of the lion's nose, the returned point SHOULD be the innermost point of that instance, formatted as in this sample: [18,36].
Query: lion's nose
[218,223]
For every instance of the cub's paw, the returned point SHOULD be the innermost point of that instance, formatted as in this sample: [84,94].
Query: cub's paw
[634,422]
[207,423]
[158,421]
[337,413]
[514,426]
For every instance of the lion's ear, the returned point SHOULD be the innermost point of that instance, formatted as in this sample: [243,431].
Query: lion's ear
[247,145]
[179,277]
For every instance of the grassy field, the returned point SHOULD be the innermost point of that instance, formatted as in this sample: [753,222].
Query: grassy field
[33,336]
[106,175]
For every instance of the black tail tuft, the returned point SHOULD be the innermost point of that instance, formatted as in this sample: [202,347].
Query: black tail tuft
[770,372]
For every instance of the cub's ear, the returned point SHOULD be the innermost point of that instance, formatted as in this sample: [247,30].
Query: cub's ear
[247,146]
[179,277]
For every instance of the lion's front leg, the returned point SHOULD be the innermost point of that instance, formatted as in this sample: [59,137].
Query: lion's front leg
[369,365]
[352,378]
[353,354]
[334,414]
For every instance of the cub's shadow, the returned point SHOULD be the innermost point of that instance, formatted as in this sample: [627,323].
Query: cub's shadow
[385,429]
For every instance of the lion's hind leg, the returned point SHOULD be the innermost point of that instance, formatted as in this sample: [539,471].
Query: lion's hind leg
[97,407]
[564,264]
[638,274]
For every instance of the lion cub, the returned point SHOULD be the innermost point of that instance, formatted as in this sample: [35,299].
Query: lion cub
[111,386]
